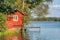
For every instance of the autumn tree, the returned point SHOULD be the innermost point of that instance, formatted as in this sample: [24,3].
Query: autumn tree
[39,7]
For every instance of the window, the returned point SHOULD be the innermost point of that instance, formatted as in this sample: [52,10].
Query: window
[15,17]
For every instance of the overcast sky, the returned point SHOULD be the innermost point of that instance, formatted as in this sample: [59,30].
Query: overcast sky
[54,9]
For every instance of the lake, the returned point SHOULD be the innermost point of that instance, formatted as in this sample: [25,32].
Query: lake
[49,30]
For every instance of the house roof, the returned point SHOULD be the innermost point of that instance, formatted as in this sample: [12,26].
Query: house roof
[18,11]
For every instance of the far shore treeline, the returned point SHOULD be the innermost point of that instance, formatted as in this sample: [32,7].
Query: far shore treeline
[46,19]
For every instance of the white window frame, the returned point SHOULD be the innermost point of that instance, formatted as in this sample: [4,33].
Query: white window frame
[15,16]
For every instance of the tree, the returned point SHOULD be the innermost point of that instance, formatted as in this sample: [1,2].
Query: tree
[40,7]
[33,3]
[2,22]
[6,6]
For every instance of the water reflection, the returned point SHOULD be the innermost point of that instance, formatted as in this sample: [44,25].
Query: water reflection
[33,33]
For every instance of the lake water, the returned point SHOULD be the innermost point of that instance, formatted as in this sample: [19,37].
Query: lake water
[49,30]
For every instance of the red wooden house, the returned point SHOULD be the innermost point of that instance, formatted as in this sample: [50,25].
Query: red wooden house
[14,20]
